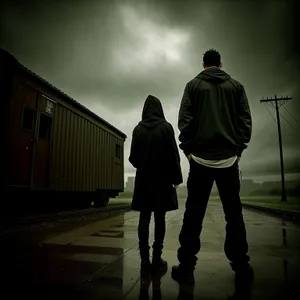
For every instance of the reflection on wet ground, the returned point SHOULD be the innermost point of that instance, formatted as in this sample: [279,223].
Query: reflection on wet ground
[100,260]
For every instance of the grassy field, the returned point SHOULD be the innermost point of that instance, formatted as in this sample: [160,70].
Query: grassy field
[120,200]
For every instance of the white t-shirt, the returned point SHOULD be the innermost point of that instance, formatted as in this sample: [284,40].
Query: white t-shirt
[223,163]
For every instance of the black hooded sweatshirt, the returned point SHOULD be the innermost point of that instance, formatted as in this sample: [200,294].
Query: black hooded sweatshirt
[154,151]
[214,118]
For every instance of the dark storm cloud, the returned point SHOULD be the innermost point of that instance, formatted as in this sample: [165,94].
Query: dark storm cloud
[257,41]
[73,44]
[115,53]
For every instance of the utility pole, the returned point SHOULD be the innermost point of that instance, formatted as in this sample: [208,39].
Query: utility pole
[283,191]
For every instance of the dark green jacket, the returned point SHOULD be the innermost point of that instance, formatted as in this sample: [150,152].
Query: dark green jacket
[214,118]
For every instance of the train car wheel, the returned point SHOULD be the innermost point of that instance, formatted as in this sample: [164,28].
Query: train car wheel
[105,200]
[101,199]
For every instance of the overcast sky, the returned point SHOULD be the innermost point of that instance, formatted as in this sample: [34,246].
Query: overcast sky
[110,55]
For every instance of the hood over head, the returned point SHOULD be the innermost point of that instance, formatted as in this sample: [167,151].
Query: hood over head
[213,74]
[153,113]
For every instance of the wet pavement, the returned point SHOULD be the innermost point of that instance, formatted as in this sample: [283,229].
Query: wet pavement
[100,260]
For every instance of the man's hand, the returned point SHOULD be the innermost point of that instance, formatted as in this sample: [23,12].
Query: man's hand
[176,186]
[189,157]
[238,159]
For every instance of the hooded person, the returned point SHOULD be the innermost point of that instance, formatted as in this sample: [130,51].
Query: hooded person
[215,125]
[154,153]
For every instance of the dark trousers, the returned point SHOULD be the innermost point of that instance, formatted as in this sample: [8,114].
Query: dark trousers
[159,233]
[199,185]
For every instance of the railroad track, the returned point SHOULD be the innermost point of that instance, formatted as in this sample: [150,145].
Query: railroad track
[15,223]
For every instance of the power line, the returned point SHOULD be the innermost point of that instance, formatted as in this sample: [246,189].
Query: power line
[270,112]
[289,124]
[276,101]
[291,115]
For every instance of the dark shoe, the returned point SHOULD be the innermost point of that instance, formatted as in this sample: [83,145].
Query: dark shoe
[158,264]
[183,276]
[244,274]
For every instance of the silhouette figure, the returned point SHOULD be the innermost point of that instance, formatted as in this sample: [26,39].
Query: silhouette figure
[215,125]
[154,153]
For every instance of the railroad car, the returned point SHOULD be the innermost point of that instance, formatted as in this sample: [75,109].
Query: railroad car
[52,143]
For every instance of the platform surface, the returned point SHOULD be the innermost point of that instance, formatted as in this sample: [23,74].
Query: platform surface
[100,259]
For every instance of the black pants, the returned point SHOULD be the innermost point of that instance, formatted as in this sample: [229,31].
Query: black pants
[199,185]
[159,232]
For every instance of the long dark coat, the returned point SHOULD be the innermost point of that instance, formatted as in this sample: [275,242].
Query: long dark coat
[154,153]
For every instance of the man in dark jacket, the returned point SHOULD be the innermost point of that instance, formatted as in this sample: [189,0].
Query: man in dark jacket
[154,153]
[215,125]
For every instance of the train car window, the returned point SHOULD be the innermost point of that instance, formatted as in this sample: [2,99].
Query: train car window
[118,151]
[28,117]
[45,127]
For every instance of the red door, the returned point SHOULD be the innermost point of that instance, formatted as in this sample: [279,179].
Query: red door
[41,172]
[22,135]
